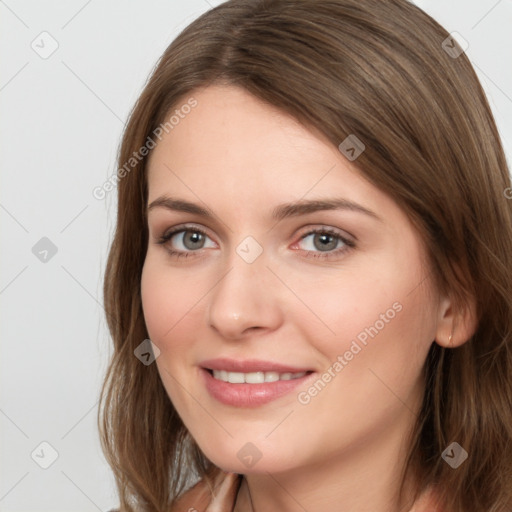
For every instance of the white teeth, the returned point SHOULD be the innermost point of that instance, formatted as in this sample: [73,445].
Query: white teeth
[254,377]
[271,376]
[236,378]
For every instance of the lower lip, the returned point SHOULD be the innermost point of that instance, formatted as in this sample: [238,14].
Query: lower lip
[249,395]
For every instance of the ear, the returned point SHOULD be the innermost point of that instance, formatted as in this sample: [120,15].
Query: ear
[455,325]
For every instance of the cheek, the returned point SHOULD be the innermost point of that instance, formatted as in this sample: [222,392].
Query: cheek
[372,364]
[347,305]
[157,299]
[168,299]
[168,305]
[374,317]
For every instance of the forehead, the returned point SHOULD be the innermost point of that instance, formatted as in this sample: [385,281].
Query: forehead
[230,125]
[233,149]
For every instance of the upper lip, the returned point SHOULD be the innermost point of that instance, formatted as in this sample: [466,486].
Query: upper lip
[250,365]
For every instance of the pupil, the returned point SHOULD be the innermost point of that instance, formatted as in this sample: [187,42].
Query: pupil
[192,239]
[327,242]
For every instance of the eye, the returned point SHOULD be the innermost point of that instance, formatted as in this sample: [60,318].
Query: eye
[324,240]
[181,241]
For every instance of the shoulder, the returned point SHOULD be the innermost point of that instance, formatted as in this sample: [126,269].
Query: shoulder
[200,496]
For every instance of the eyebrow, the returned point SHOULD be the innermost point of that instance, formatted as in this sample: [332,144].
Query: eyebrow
[280,212]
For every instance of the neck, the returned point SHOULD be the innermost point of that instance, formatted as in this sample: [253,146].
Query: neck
[364,478]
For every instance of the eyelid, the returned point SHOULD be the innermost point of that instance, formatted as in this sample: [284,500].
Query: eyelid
[344,235]
[324,228]
[185,227]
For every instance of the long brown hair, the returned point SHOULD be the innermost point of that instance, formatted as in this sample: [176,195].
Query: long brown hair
[382,71]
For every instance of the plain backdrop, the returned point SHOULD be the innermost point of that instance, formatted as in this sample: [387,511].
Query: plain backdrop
[70,72]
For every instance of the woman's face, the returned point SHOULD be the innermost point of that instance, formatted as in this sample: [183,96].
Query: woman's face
[284,260]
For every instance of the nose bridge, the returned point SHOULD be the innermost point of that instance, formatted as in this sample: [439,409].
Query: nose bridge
[247,267]
[243,298]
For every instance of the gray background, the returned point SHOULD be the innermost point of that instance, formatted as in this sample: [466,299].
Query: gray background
[61,120]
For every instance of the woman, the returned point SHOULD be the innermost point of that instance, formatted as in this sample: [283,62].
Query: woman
[314,232]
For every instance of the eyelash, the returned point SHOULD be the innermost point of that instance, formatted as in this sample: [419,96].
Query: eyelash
[349,244]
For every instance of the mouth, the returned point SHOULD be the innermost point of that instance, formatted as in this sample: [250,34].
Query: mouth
[251,383]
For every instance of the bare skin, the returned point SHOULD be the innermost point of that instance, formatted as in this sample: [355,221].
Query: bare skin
[301,302]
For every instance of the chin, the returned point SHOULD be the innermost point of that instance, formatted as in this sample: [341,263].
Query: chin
[249,458]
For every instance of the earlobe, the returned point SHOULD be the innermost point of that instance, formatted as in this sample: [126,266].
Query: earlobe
[455,325]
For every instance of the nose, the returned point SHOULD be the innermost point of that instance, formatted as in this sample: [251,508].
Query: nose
[245,301]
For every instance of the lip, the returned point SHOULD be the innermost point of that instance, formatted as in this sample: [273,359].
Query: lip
[249,395]
[250,365]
